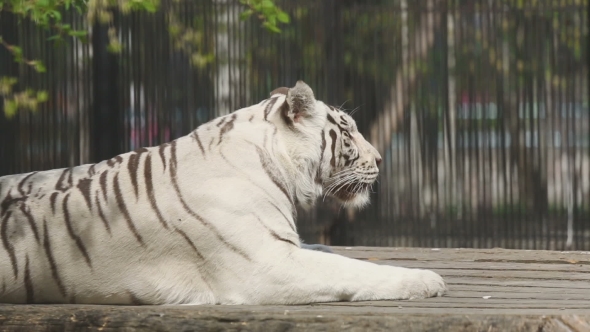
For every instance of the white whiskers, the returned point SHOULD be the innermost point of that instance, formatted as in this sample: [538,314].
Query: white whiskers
[347,177]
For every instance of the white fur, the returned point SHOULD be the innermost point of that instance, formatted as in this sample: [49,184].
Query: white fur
[239,219]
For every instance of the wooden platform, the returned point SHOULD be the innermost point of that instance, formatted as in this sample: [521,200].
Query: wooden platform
[490,290]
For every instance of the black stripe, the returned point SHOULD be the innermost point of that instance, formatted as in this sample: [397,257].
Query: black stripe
[31,221]
[22,183]
[227,127]
[149,187]
[318,176]
[284,111]
[101,214]
[52,199]
[276,236]
[292,225]
[76,238]
[173,171]
[211,143]
[132,166]
[190,242]
[114,161]
[8,201]
[84,186]
[161,152]
[141,150]
[331,119]
[221,122]
[123,208]
[273,173]
[52,265]
[7,245]
[28,283]
[262,106]
[333,136]
[273,233]
[196,137]
[350,161]
[91,170]
[269,107]
[104,184]
[61,184]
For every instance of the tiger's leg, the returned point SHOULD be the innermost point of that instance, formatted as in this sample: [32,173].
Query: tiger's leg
[307,276]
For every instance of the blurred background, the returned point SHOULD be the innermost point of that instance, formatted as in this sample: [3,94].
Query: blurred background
[479,108]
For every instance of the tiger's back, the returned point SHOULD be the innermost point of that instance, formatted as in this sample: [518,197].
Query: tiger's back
[208,218]
[70,233]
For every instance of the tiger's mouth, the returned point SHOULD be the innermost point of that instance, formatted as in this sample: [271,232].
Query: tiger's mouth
[351,190]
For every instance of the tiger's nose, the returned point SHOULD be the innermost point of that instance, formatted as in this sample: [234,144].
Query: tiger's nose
[378,160]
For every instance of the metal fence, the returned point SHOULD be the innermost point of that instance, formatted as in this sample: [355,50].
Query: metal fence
[480,108]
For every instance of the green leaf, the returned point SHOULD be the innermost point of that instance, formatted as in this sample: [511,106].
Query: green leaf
[271,27]
[115,47]
[42,3]
[56,15]
[42,96]
[78,33]
[18,53]
[267,4]
[8,81]
[150,6]
[246,14]
[283,17]
[272,20]
[39,67]
[10,107]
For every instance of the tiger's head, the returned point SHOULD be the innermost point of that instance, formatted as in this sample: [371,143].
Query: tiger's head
[347,165]
[353,165]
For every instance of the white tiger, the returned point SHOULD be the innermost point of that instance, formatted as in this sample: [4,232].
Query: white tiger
[206,219]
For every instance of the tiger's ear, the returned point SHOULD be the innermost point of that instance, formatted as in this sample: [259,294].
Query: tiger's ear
[301,102]
[280,91]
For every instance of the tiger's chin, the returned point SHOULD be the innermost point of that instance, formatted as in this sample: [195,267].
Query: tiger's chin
[354,195]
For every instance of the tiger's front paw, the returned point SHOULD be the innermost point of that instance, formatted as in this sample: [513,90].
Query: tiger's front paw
[421,284]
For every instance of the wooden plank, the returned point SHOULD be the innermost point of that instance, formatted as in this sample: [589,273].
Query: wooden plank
[67,318]
[513,290]
[468,255]
[500,294]
[501,266]
[481,303]
[578,285]
[524,290]
[254,320]
[516,275]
